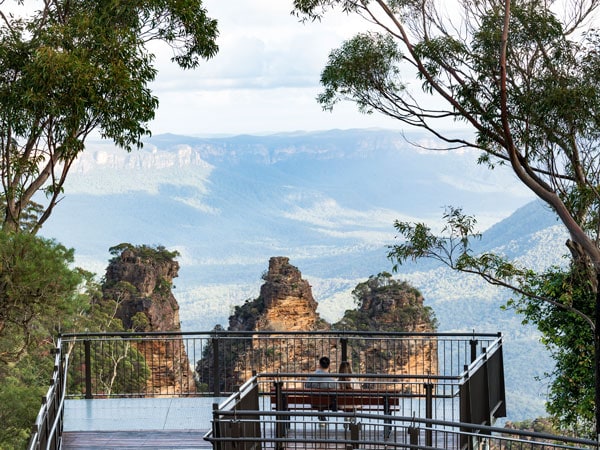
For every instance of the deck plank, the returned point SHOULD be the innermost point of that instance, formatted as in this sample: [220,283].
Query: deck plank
[163,439]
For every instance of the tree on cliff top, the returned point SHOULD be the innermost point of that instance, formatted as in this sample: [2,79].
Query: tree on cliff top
[76,66]
[385,304]
[523,77]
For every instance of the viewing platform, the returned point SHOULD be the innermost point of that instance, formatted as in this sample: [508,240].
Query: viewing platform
[247,390]
[158,423]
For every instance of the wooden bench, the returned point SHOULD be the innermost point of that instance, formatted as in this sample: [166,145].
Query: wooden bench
[346,400]
[341,399]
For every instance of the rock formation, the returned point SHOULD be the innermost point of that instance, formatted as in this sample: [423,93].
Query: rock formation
[140,280]
[286,303]
[387,305]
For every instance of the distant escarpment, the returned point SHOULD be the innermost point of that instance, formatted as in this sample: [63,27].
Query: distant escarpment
[286,304]
[139,279]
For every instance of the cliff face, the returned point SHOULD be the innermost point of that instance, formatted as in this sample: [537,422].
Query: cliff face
[385,304]
[141,284]
[140,280]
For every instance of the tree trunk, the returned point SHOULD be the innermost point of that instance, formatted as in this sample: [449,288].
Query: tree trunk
[597,359]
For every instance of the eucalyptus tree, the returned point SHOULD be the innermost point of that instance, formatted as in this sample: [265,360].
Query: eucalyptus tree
[69,67]
[522,79]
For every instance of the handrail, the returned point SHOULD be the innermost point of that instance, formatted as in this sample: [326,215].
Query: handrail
[461,427]
[68,336]
[480,360]
[383,376]
[237,395]
[61,405]
[47,430]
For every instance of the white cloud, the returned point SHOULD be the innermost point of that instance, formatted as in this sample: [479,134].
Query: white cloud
[265,77]
[370,236]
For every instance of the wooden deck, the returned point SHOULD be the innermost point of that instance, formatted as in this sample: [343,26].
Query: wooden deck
[182,423]
[105,440]
[157,423]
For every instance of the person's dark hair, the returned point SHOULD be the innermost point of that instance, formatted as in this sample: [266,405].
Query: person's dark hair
[324,362]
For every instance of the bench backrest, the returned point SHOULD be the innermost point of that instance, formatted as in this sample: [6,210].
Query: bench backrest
[345,397]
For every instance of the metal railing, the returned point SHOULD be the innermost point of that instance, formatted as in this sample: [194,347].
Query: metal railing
[218,362]
[47,430]
[370,431]
[283,410]
[250,420]
[434,373]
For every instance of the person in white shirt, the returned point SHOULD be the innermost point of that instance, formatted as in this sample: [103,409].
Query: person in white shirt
[323,382]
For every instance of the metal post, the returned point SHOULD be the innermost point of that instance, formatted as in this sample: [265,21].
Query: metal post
[61,388]
[355,433]
[387,411]
[596,333]
[88,368]
[215,375]
[428,413]
[413,434]
[344,344]
[216,426]
[282,422]
[473,343]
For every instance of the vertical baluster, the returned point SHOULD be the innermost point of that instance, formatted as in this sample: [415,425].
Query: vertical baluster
[88,368]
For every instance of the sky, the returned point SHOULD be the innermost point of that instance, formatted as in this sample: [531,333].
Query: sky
[264,79]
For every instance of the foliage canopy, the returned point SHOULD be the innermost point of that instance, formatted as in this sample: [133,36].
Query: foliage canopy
[523,79]
[73,67]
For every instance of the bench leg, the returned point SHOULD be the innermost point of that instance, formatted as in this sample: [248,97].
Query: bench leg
[355,433]
[387,429]
[282,427]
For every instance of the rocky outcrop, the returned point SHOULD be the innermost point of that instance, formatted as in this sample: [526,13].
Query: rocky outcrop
[141,283]
[285,303]
[139,279]
[388,305]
